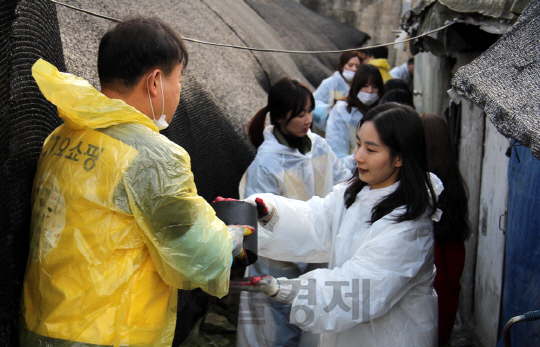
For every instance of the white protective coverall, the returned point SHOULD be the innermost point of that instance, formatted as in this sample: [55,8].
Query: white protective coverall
[377,290]
[117,226]
[331,89]
[281,170]
[402,72]
[341,132]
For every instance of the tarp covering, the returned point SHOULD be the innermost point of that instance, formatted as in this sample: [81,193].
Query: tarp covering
[223,87]
[505,81]
[521,291]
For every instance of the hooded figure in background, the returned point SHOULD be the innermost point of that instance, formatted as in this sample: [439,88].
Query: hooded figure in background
[366,91]
[378,57]
[335,87]
[117,225]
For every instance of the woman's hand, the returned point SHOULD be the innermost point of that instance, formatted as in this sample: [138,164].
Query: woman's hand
[281,289]
[265,210]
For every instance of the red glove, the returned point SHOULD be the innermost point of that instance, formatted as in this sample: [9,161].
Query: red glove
[265,210]
[264,284]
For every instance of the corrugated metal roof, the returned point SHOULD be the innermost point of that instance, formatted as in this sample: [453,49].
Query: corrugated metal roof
[491,16]
[500,9]
[505,81]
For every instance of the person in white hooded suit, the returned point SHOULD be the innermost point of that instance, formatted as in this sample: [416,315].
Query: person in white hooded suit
[282,170]
[335,87]
[293,162]
[375,231]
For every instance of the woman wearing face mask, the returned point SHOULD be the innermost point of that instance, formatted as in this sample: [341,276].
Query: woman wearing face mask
[366,90]
[293,162]
[335,87]
[376,231]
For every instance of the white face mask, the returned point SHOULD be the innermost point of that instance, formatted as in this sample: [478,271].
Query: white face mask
[161,123]
[368,98]
[348,75]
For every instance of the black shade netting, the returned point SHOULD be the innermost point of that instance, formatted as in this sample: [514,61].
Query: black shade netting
[505,81]
[29,31]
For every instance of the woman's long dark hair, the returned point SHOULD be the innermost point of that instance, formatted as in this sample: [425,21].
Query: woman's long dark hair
[400,130]
[286,95]
[442,161]
[365,74]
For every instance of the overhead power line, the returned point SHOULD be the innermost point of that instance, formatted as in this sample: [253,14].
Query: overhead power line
[271,50]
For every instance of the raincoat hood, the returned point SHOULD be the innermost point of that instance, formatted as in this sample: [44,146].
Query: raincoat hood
[330,90]
[384,68]
[79,104]
[382,64]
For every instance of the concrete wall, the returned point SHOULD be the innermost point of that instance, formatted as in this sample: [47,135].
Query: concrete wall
[377,18]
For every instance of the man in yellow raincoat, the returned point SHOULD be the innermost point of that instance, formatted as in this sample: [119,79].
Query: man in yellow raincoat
[378,57]
[117,224]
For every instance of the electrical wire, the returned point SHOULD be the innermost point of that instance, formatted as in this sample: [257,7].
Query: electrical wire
[271,50]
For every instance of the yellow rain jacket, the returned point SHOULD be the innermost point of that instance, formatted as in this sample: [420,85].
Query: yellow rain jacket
[117,226]
[384,68]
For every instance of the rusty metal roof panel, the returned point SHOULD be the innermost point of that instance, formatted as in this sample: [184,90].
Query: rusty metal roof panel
[505,81]
[503,9]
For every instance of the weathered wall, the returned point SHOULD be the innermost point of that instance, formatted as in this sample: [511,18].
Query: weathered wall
[483,165]
[377,18]
[430,73]
[491,238]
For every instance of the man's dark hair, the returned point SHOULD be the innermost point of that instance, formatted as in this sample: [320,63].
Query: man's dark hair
[399,96]
[396,83]
[132,47]
[378,52]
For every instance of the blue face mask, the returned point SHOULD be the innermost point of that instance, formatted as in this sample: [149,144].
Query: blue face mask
[161,123]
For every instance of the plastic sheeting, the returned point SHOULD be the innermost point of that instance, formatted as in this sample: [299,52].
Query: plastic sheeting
[394,261]
[117,226]
[522,267]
